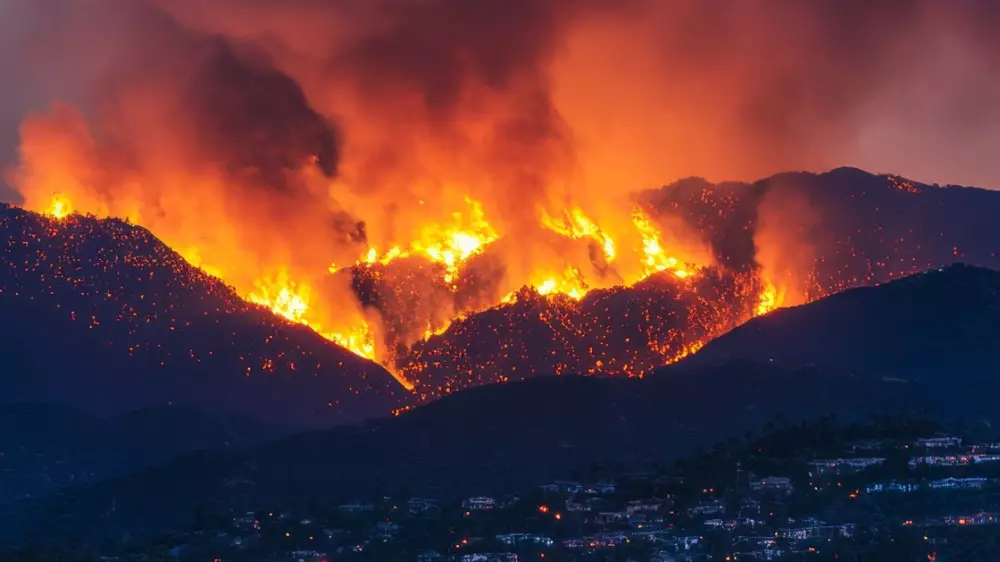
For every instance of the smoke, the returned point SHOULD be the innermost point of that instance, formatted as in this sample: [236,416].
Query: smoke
[271,138]
[747,91]
[785,247]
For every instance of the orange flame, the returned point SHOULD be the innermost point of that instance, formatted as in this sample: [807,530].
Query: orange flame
[59,208]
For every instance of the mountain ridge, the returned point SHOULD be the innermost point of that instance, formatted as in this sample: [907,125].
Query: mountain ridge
[102,304]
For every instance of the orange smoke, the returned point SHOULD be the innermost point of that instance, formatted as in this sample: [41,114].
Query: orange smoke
[376,170]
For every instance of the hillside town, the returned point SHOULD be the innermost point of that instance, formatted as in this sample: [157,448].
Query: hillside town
[886,489]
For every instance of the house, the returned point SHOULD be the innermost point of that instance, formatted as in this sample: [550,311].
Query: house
[612,516]
[307,555]
[773,484]
[490,557]
[643,505]
[744,522]
[982,518]
[892,486]
[712,507]
[754,543]
[714,523]
[601,488]
[479,503]
[573,506]
[958,483]
[512,539]
[953,460]
[842,466]
[429,556]
[942,442]
[826,532]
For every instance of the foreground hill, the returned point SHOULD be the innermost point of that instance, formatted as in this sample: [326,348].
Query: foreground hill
[939,324]
[484,440]
[502,437]
[100,315]
[48,447]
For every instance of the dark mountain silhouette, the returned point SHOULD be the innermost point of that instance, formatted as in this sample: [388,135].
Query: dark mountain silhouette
[827,232]
[502,437]
[100,315]
[942,323]
[46,447]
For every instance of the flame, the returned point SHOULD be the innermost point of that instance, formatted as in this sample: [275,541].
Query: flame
[656,258]
[770,298]
[451,246]
[570,284]
[447,245]
[59,208]
[291,301]
[576,225]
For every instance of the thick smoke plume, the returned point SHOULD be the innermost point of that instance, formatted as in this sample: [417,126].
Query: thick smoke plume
[274,140]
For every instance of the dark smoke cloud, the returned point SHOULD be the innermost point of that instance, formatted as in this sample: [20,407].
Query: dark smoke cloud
[257,116]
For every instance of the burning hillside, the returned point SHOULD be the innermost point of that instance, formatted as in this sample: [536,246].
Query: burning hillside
[439,334]
[412,178]
[101,315]
[408,293]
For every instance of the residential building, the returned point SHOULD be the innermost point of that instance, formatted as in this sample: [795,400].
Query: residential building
[942,442]
[830,467]
[773,484]
[958,483]
[892,486]
[479,503]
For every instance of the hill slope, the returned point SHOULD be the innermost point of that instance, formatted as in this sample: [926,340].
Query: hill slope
[101,315]
[942,323]
[49,447]
[505,436]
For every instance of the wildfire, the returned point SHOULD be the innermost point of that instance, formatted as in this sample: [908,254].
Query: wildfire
[769,299]
[571,284]
[576,225]
[450,244]
[282,298]
[447,245]
[656,259]
[59,208]
[291,301]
